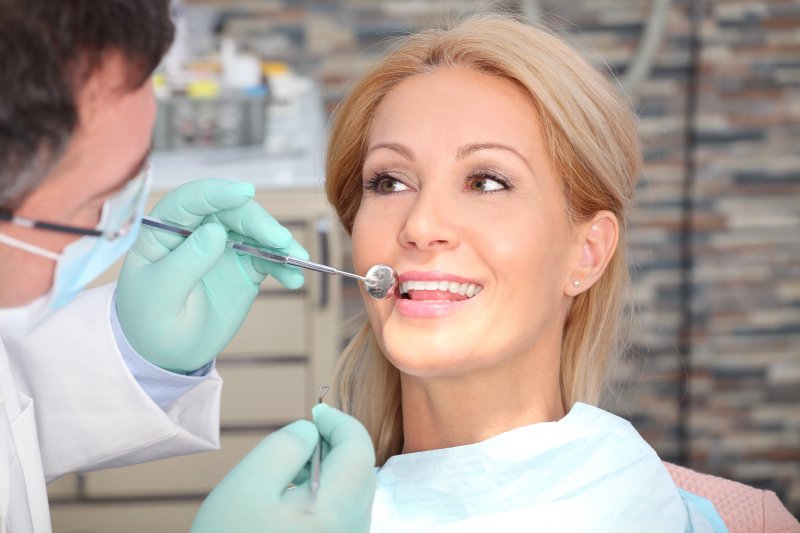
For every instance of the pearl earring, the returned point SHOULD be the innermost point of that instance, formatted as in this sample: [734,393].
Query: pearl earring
[576,283]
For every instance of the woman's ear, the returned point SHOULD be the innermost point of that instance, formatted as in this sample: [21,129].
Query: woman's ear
[598,241]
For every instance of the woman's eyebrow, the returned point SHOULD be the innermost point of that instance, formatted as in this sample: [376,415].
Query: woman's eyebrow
[463,151]
[469,149]
[401,149]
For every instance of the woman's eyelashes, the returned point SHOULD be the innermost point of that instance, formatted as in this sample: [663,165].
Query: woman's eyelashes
[487,181]
[384,183]
[481,181]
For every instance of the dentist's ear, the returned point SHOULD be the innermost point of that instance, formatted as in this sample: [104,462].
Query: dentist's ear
[598,241]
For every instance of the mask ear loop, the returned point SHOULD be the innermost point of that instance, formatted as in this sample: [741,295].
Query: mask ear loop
[132,216]
[30,248]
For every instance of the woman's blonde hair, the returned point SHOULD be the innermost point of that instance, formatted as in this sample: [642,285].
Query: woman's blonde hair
[591,136]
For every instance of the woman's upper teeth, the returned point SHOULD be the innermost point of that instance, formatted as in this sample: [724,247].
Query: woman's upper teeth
[463,289]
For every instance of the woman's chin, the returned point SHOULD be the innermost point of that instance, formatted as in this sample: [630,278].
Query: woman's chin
[426,360]
[427,349]
[428,369]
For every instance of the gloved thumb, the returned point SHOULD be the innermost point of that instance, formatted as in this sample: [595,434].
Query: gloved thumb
[347,477]
[350,443]
[276,460]
[191,260]
[250,495]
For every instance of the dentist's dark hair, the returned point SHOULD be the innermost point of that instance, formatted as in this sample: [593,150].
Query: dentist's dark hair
[48,49]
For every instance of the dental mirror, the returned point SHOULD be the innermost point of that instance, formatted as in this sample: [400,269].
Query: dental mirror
[381,282]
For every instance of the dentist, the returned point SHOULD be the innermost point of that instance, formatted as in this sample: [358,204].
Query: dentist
[124,374]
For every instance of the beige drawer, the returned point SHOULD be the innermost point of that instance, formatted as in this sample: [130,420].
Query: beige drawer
[188,475]
[172,517]
[65,487]
[276,326]
[270,284]
[291,204]
[263,395]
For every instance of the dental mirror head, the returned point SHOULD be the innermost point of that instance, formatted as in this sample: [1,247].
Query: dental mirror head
[380,282]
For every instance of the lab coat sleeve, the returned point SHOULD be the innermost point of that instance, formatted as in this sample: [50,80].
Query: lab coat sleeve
[163,386]
[90,411]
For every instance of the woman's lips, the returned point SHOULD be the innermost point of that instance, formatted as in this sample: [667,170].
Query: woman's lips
[434,294]
[431,275]
[429,308]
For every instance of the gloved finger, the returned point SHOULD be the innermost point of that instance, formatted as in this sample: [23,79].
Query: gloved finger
[243,260]
[351,448]
[246,265]
[257,268]
[303,475]
[188,204]
[276,461]
[288,276]
[253,221]
[191,260]
[340,429]
[151,245]
[292,249]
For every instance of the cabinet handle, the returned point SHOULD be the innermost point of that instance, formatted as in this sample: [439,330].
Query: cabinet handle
[323,227]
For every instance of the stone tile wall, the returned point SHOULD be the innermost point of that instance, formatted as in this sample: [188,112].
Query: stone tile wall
[712,379]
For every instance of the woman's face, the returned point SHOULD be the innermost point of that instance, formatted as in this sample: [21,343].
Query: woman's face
[461,199]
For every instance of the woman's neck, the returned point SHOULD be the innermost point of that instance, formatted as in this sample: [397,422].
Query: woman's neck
[444,412]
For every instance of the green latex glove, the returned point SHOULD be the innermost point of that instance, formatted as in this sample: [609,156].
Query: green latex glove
[253,497]
[181,300]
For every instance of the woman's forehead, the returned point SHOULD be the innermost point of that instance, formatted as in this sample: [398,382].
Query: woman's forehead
[453,111]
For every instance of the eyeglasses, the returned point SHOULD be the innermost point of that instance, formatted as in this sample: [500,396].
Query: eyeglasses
[109,233]
[7,216]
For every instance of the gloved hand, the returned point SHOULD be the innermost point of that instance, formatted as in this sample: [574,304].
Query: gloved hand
[253,497]
[181,300]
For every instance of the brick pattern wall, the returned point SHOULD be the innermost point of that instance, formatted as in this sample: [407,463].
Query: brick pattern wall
[729,347]
[712,378]
[745,375]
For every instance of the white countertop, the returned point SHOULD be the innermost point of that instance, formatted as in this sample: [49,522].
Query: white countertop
[252,164]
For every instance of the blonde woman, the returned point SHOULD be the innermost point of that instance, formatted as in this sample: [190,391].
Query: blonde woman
[494,169]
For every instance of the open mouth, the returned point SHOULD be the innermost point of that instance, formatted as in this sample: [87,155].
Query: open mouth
[438,291]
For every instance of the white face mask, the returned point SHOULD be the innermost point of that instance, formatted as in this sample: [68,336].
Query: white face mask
[86,258]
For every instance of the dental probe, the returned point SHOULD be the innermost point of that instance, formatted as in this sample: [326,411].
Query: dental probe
[380,281]
[316,459]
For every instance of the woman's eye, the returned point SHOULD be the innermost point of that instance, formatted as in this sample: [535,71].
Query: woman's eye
[385,184]
[486,183]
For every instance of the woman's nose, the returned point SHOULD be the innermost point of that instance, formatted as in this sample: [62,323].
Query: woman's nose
[431,223]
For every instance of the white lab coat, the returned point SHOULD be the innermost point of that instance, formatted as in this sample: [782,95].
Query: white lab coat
[69,403]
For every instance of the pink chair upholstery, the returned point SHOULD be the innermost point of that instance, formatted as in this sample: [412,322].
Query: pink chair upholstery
[742,508]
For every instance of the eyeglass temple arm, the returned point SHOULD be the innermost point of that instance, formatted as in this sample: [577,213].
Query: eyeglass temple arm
[7,216]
